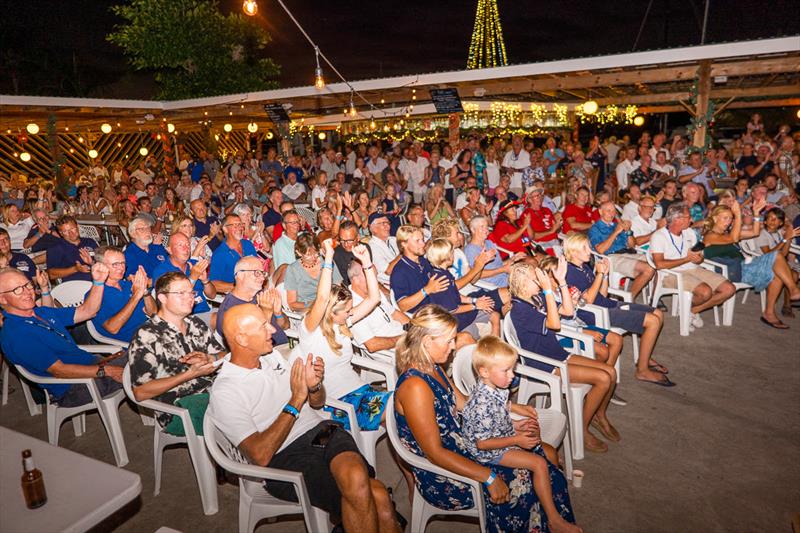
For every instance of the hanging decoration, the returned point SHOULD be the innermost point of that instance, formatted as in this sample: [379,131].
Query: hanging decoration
[697,122]
[610,114]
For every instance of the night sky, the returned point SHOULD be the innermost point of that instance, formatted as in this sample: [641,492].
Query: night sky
[58,47]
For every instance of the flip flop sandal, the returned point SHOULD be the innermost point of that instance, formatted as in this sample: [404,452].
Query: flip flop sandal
[658,367]
[664,383]
[614,437]
[776,325]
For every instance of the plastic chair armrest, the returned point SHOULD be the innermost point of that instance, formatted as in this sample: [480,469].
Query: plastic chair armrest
[99,348]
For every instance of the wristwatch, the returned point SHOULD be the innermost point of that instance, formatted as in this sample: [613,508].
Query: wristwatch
[101,371]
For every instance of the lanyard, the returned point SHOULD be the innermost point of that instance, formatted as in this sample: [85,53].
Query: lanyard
[44,325]
[679,250]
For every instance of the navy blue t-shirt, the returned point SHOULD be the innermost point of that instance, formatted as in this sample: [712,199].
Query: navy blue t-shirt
[45,241]
[64,254]
[201,229]
[450,299]
[531,327]
[583,278]
[409,277]
[23,263]
[271,217]
[149,260]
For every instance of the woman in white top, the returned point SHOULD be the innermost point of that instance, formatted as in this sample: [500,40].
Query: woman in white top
[319,192]
[16,226]
[492,170]
[324,332]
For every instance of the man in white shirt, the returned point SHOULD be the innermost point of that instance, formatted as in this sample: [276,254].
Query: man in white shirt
[644,224]
[414,173]
[283,250]
[143,174]
[658,146]
[696,172]
[661,165]
[514,162]
[671,247]
[329,163]
[383,246]
[383,326]
[375,164]
[293,190]
[631,209]
[267,407]
[626,166]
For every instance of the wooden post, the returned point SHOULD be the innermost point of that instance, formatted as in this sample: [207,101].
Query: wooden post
[701,108]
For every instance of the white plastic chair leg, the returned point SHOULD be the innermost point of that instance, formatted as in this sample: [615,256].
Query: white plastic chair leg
[575,408]
[158,454]
[109,412]
[728,307]
[206,476]
[685,312]
[79,424]
[420,513]
[744,297]
[763,300]
[53,424]
[33,407]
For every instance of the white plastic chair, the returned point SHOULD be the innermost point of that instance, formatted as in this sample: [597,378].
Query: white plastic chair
[554,429]
[99,337]
[574,392]
[107,408]
[729,305]
[33,408]
[681,299]
[255,503]
[421,510]
[70,293]
[203,467]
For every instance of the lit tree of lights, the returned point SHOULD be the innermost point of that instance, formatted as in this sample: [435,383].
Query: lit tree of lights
[487,49]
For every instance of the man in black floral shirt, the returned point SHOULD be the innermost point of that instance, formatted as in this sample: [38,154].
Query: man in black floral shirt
[171,356]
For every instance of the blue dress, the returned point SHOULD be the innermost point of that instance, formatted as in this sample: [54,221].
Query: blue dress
[521,513]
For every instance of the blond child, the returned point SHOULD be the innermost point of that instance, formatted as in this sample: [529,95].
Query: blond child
[493,439]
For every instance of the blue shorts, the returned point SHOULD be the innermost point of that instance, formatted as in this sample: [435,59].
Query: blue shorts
[567,344]
[369,404]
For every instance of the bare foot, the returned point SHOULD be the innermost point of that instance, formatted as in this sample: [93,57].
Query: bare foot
[593,444]
[559,525]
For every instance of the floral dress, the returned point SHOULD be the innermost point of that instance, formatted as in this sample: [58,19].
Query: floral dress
[521,513]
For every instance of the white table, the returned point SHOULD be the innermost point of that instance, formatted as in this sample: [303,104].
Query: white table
[81,491]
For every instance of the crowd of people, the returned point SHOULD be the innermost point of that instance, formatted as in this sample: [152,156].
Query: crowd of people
[416,250]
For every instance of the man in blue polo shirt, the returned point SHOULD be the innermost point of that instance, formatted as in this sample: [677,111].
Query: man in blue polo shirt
[70,258]
[126,304]
[180,250]
[225,257]
[205,224]
[412,280]
[141,251]
[614,239]
[37,338]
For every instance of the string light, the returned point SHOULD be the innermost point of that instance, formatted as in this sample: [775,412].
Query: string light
[143,151]
[252,127]
[93,153]
[353,112]
[319,81]
[170,127]
[487,48]
[250,8]
[228,128]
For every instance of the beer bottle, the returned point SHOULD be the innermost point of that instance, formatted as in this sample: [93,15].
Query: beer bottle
[32,483]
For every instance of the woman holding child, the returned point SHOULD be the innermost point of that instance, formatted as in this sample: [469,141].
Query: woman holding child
[427,404]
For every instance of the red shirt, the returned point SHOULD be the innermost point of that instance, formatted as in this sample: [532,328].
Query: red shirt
[501,229]
[580,214]
[542,220]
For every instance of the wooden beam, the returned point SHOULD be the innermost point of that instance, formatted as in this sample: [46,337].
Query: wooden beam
[701,106]
[741,104]
[726,92]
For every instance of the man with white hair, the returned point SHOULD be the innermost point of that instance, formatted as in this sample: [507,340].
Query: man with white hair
[383,326]
[615,240]
[514,162]
[142,251]
[382,245]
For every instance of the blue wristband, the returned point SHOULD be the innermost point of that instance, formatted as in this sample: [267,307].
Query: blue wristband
[490,479]
[290,410]
[98,283]
[424,292]
[327,265]
[547,291]
[277,316]
[47,293]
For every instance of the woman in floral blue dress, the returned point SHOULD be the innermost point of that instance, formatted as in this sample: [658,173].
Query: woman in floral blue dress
[426,412]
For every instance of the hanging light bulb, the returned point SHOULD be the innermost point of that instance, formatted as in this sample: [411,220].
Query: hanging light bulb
[590,107]
[638,120]
[250,8]
[353,111]
[32,128]
[269,135]
[322,136]
[252,127]
[93,153]
[372,123]
[25,156]
[80,140]
[228,128]
[170,127]
[216,136]
[143,151]
[319,81]
[105,127]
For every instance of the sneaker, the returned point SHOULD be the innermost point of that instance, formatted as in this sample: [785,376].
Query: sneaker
[696,321]
[618,400]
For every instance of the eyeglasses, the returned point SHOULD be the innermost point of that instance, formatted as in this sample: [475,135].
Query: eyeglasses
[118,264]
[256,273]
[236,225]
[19,290]
[348,241]
[292,222]
[193,294]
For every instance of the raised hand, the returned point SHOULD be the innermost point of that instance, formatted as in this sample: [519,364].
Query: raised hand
[315,371]
[560,272]
[361,252]
[199,271]
[436,284]
[542,279]
[99,272]
[42,280]
[298,384]
[86,257]
[139,285]
[327,248]
[484,303]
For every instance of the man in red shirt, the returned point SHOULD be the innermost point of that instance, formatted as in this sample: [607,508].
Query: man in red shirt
[544,224]
[578,215]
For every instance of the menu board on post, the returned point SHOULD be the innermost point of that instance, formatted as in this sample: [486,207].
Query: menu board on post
[446,101]
[276,113]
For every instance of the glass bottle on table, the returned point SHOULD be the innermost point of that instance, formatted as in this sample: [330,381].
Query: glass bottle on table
[32,483]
